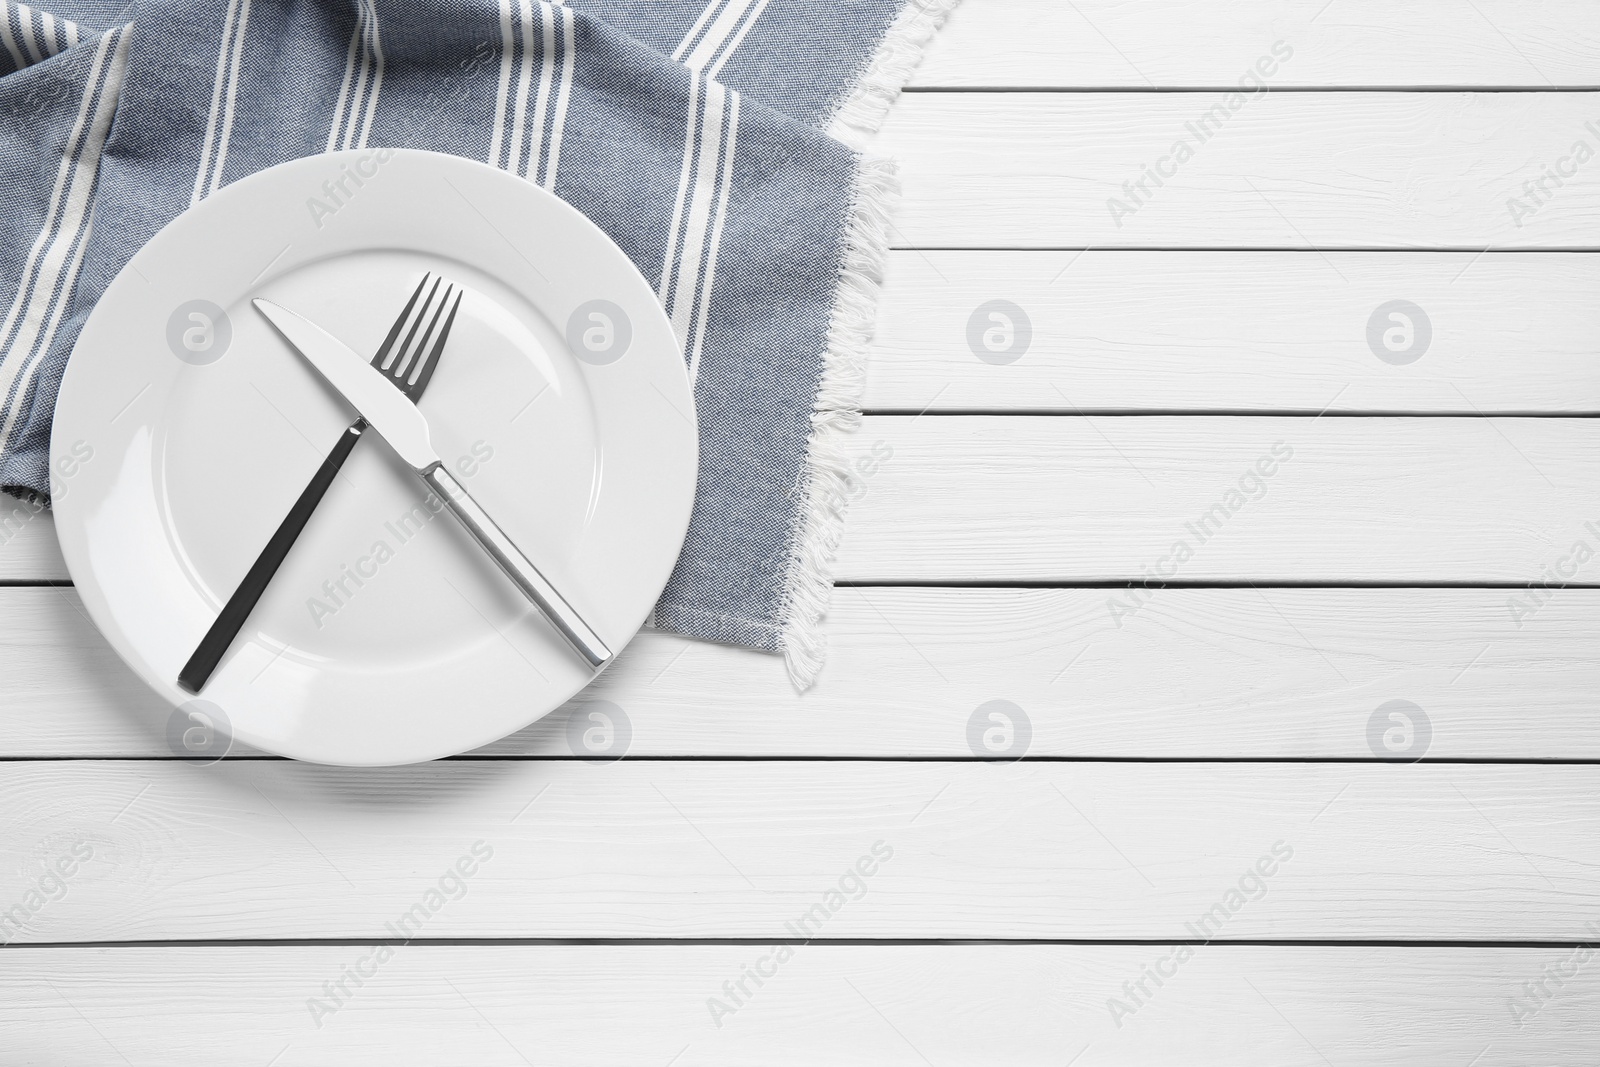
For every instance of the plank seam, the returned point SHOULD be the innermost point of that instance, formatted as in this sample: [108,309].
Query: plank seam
[1261,413]
[1323,249]
[1152,90]
[885,942]
[470,757]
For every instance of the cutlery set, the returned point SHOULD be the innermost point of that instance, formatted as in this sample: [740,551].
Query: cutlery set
[384,393]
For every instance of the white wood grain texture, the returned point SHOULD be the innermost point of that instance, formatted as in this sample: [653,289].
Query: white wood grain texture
[276,849]
[1199,673]
[1240,331]
[1318,170]
[1349,43]
[511,1005]
[1073,498]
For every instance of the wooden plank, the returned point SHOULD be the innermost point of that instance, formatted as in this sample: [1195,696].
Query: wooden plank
[1198,674]
[1042,498]
[1249,498]
[1032,498]
[1283,170]
[896,1004]
[276,849]
[28,547]
[1139,331]
[1350,43]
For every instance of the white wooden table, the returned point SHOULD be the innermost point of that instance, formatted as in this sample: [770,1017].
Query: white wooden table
[1202,859]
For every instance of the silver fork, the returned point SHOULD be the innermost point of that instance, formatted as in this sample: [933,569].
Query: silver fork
[410,365]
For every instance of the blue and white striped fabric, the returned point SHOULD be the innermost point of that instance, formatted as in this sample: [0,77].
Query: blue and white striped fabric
[710,138]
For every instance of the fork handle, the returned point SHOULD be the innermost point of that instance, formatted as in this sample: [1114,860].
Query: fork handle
[518,567]
[217,640]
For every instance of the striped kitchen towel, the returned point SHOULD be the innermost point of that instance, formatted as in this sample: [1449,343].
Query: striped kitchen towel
[716,141]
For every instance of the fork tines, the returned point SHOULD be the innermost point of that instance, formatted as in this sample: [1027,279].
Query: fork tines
[411,363]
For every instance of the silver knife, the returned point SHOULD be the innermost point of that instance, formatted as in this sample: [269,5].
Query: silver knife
[398,421]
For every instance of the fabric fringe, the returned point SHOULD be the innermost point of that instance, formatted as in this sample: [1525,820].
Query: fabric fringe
[828,480]
[28,495]
[862,110]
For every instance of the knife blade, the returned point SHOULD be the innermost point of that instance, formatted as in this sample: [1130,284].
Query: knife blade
[399,422]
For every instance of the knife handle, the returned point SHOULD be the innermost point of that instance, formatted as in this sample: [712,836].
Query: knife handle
[214,645]
[518,567]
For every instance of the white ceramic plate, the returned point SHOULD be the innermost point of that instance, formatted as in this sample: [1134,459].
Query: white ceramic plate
[180,442]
